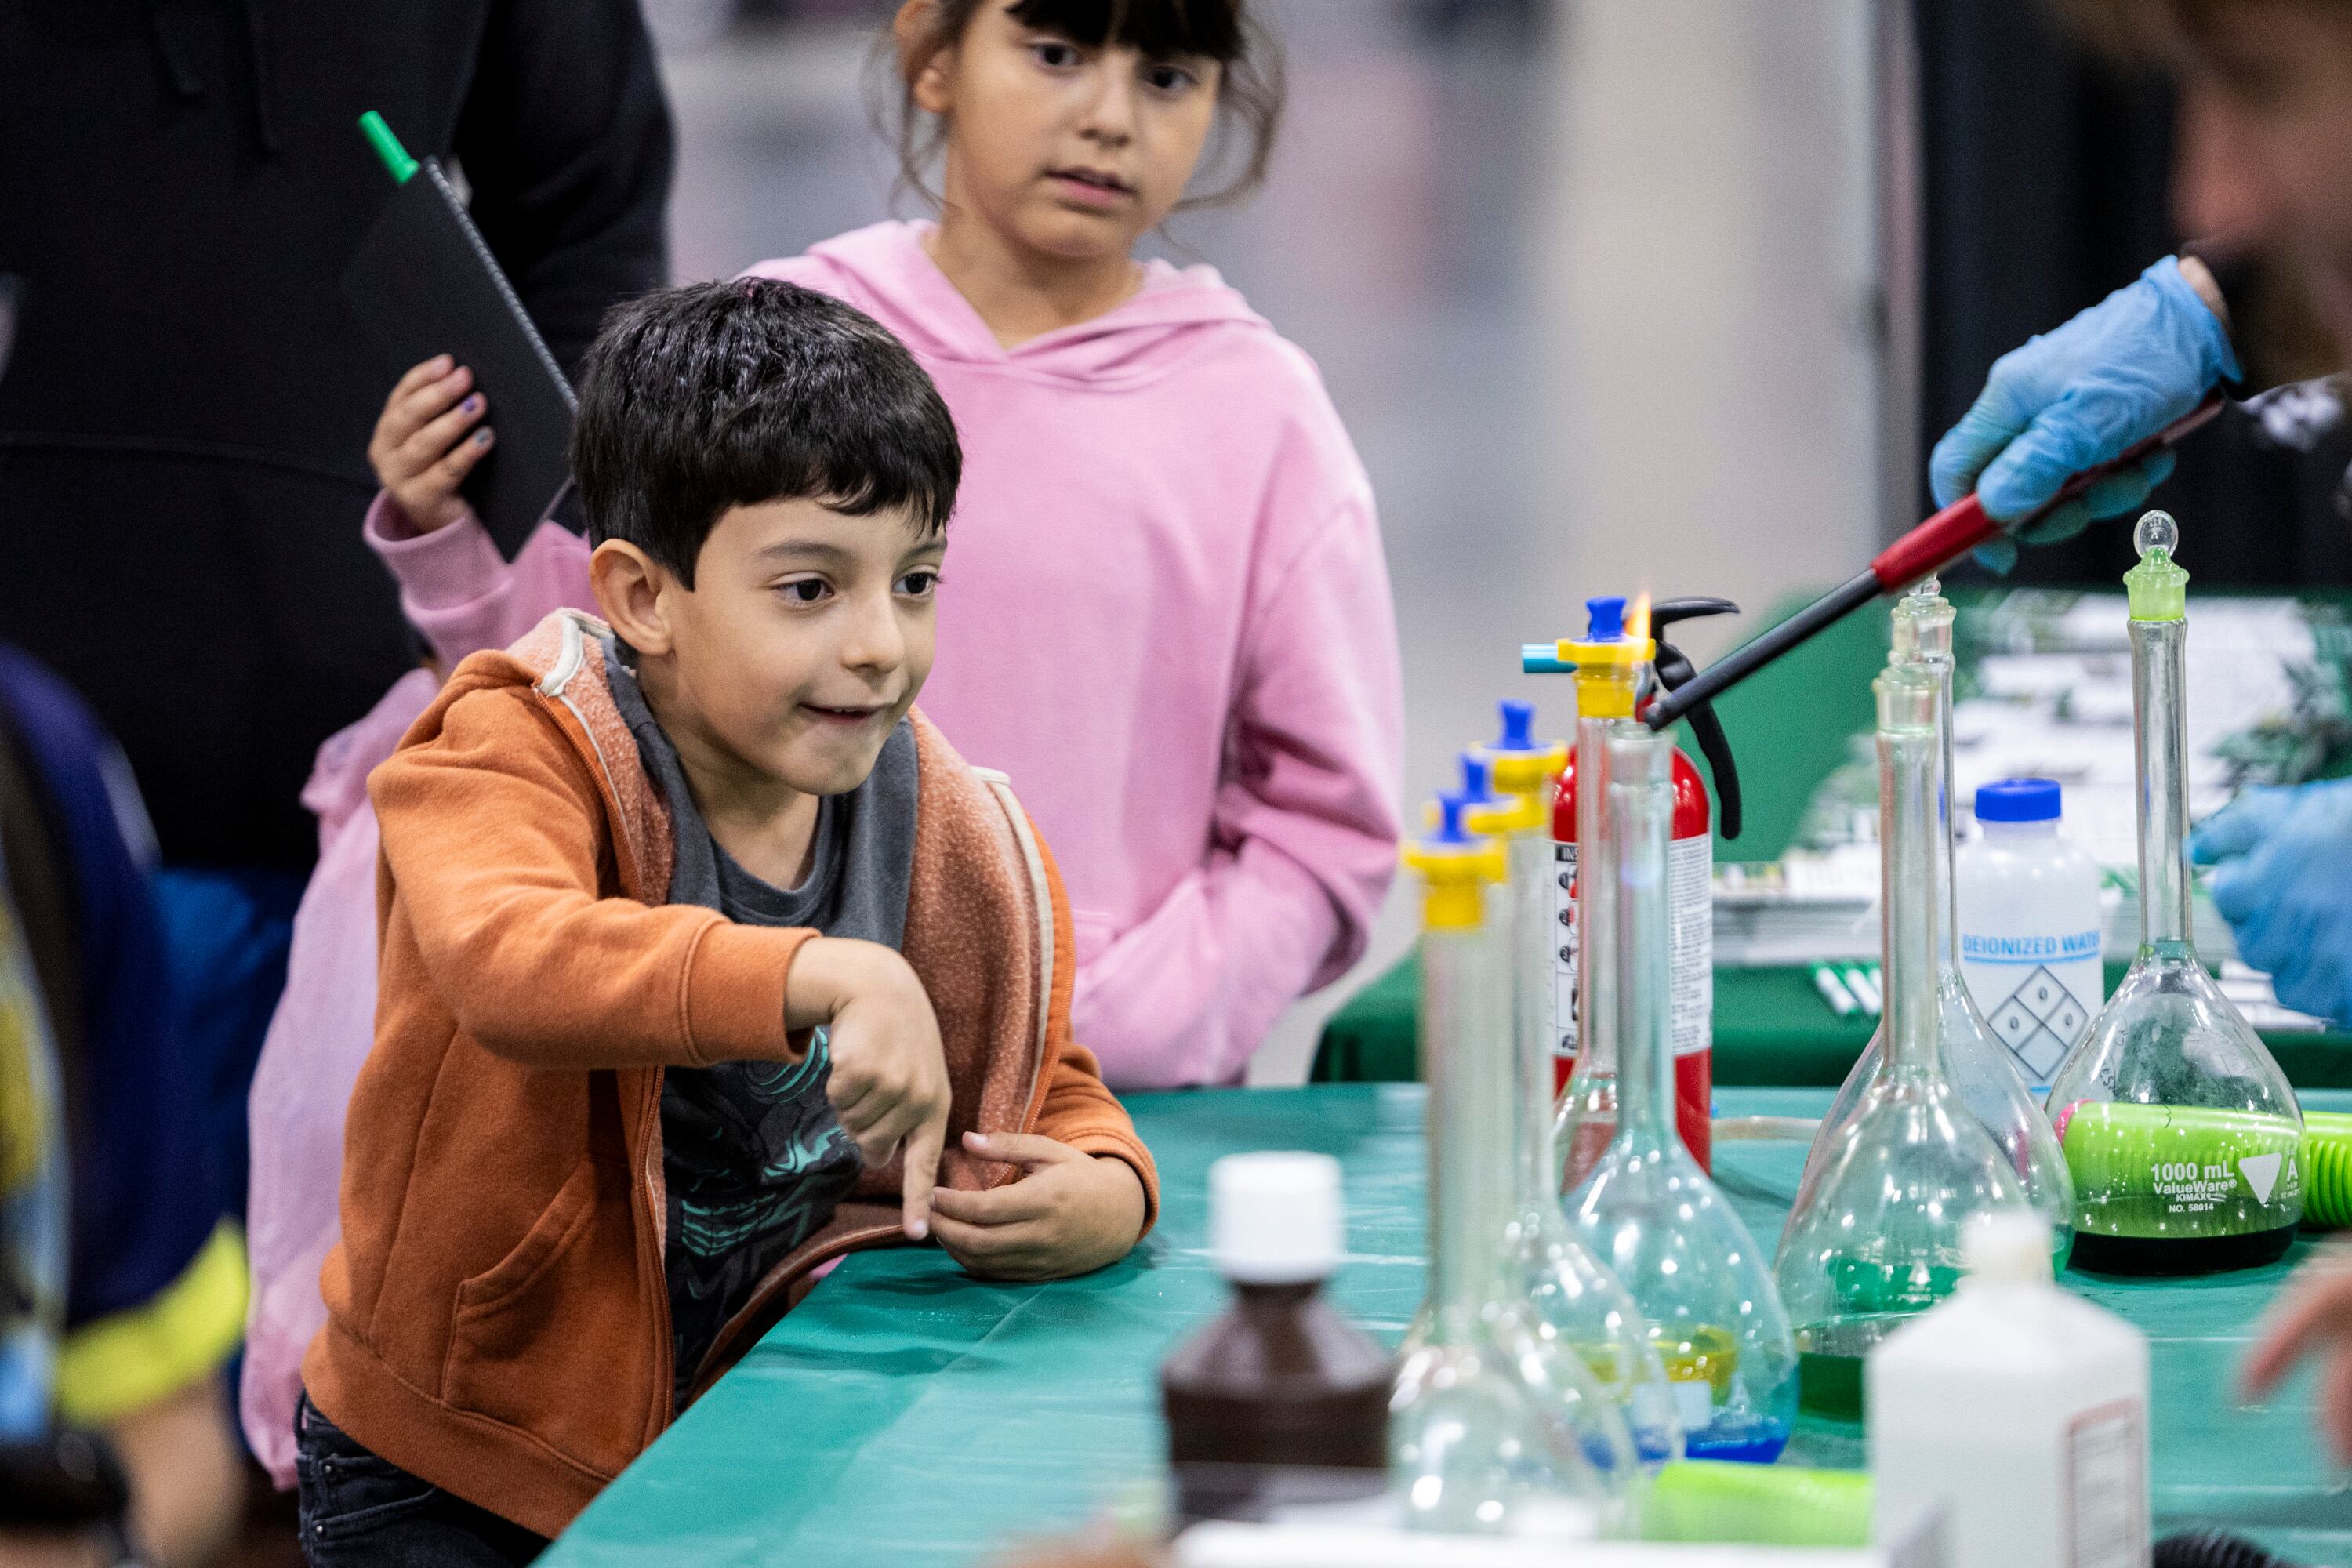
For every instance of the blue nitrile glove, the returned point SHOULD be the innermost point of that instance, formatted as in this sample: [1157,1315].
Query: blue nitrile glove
[2075,398]
[2285,887]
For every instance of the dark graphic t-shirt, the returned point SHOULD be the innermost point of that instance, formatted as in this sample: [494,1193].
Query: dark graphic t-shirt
[754,1158]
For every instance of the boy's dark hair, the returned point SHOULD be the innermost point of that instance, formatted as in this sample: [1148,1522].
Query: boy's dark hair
[1250,90]
[714,396]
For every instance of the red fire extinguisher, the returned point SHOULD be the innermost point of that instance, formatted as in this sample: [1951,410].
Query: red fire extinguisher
[1690,869]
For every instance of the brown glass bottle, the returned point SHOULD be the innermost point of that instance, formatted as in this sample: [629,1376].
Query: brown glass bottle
[1280,1400]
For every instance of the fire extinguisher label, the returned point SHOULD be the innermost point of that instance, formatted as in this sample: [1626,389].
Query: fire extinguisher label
[1690,882]
[1563,948]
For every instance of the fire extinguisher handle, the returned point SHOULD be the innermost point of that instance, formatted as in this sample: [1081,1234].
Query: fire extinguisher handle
[1673,669]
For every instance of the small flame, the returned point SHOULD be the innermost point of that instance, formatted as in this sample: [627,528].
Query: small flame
[1637,620]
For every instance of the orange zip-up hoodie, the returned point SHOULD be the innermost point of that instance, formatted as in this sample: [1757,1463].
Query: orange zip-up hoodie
[498,1319]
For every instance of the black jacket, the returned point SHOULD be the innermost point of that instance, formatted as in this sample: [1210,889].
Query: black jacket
[183,419]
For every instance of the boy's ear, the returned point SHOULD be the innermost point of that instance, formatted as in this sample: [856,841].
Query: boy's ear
[631,588]
[925,71]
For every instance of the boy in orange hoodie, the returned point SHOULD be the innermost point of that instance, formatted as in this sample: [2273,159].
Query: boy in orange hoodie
[705,959]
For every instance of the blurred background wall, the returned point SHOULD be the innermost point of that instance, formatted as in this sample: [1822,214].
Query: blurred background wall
[1594,287]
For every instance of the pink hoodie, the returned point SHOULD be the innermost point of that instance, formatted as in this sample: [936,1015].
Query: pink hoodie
[1165,614]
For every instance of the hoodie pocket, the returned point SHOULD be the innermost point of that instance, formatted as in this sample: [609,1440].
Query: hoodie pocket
[551,1339]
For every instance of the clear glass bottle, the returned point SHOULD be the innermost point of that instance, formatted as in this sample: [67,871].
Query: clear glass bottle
[1571,1297]
[2181,1133]
[1875,1236]
[1613,668]
[1975,1061]
[1493,1428]
[1647,1209]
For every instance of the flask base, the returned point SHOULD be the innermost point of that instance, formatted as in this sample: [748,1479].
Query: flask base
[2149,1256]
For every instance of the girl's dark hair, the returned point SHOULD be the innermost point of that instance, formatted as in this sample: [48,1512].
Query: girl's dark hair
[696,399]
[1250,87]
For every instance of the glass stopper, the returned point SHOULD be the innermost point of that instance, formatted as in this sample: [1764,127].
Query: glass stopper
[2157,530]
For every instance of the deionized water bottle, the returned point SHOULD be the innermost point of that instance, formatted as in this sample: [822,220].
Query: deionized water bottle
[2030,926]
[2181,1132]
[2020,1411]
[1874,1238]
[1570,1296]
[1975,1060]
[1493,1428]
[1647,1209]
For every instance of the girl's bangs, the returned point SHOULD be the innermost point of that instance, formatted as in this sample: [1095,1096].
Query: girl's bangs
[1160,29]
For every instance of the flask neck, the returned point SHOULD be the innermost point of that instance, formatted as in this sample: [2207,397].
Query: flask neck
[1596,904]
[1911,895]
[1531,870]
[2160,737]
[1465,1034]
[1643,810]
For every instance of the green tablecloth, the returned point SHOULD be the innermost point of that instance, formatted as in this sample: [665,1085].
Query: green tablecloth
[907,1413]
[1771,1027]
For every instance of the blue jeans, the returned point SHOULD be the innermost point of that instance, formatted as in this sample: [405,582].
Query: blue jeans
[362,1512]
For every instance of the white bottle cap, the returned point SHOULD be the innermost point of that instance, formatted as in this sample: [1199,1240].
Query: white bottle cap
[2008,1246]
[1275,1218]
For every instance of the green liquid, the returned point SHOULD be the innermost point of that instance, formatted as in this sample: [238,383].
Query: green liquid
[1830,1356]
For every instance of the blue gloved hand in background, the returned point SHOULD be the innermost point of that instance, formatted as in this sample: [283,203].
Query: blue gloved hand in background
[2285,887]
[2075,398]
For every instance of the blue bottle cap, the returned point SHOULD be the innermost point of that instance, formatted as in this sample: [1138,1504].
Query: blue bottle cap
[1450,833]
[2017,800]
[1519,726]
[1605,618]
[1477,783]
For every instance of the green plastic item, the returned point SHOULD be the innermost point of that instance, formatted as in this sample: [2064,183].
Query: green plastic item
[2326,1168]
[396,161]
[2183,1170]
[1758,1505]
[2158,586]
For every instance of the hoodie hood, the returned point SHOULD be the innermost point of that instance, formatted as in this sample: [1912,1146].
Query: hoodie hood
[885,271]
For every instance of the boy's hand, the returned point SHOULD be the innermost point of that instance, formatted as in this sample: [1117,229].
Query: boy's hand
[421,451]
[1070,1213]
[889,1081]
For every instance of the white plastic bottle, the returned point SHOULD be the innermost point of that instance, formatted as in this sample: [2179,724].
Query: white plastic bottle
[2030,925]
[2020,1410]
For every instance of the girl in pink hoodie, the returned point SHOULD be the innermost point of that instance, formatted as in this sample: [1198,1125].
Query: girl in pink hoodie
[1165,612]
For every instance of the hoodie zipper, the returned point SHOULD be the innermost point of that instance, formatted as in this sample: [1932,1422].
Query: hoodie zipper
[652,1221]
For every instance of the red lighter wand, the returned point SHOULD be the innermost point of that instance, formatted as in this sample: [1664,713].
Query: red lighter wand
[1924,551]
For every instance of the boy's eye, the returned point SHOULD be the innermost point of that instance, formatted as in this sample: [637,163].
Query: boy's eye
[804,590]
[1162,77]
[919,584]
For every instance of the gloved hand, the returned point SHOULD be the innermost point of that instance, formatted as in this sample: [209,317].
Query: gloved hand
[2075,398]
[2285,887]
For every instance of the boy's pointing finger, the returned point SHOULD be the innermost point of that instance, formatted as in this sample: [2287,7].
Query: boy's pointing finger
[923,1146]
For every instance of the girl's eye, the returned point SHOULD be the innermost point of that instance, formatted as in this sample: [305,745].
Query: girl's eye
[919,584]
[804,590]
[1054,55]
[1162,77]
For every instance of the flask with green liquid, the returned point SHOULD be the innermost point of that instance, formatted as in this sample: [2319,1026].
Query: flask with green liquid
[2181,1133]
[1875,1237]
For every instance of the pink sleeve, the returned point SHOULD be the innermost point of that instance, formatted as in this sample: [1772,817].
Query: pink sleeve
[1306,830]
[457,589]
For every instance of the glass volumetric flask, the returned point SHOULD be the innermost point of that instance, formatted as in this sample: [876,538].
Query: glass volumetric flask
[1571,1298]
[1975,1061]
[1493,1428]
[1647,1209]
[1875,1236]
[2181,1131]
